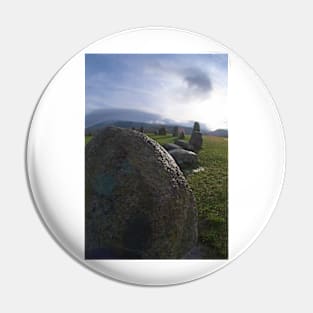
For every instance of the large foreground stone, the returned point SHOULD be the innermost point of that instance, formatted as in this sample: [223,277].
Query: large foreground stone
[137,201]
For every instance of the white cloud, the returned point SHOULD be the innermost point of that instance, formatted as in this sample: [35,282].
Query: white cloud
[171,86]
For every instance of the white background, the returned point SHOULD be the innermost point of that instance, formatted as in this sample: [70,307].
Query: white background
[274,274]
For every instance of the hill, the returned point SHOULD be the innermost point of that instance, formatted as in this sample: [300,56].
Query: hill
[152,127]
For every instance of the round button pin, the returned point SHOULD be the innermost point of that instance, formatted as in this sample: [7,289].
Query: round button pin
[155,156]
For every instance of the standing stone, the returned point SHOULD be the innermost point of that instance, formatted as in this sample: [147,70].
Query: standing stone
[184,158]
[196,127]
[175,131]
[196,140]
[181,134]
[137,202]
[162,131]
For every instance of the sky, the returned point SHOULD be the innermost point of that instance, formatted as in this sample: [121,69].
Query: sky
[178,87]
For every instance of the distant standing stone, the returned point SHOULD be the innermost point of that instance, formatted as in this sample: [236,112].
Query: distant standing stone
[175,131]
[137,202]
[181,135]
[196,140]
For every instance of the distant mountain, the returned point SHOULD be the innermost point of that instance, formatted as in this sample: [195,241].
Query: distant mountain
[151,128]
[219,133]
[110,115]
[151,122]
[148,127]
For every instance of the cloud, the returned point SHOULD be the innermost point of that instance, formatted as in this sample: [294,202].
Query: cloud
[114,114]
[174,86]
[198,81]
[181,82]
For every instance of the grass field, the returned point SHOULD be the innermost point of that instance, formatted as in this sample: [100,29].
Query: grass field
[87,139]
[210,188]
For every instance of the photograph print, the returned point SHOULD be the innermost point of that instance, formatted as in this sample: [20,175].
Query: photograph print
[156,156]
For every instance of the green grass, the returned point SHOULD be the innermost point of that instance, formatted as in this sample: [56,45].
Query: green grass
[210,188]
[87,139]
[162,139]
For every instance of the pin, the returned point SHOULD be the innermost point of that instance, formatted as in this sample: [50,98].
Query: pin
[155,156]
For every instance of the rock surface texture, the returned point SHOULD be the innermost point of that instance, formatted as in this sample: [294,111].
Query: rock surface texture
[170,146]
[196,140]
[184,158]
[138,204]
[183,144]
